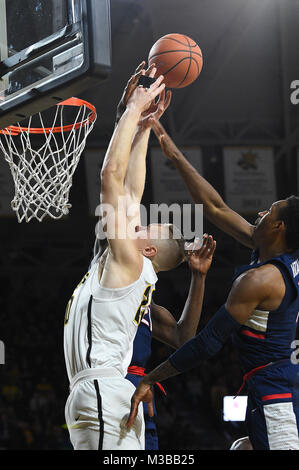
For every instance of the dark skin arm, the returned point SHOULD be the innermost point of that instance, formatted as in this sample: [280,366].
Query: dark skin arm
[202,192]
[129,88]
[253,290]
[165,328]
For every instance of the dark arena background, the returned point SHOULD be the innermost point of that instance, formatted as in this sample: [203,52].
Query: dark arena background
[244,101]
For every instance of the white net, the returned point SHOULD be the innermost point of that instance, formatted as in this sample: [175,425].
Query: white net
[43,171]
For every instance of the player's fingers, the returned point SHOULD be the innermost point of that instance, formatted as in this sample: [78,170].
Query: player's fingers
[133,414]
[130,83]
[206,242]
[200,247]
[140,67]
[196,245]
[157,83]
[161,99]
[151,71]
[157,91]
[137,75]
[210,247]
[168,99]
[213,248]
[133,82]
[210,242]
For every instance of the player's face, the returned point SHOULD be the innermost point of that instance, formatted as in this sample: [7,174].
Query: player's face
[266,222]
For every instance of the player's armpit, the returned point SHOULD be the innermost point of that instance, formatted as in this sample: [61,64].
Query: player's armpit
[261,288]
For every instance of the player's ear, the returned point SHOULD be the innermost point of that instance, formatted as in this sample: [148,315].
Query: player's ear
[279,225]
[150,251]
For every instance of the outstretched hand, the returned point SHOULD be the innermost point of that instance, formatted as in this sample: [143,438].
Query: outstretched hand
[142,98]
[156,110]
[143,393]
[131,86]
[200,257]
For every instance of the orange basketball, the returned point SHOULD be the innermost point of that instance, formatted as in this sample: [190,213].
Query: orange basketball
[178,58]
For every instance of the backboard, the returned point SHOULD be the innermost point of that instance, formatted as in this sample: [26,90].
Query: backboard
[50,50]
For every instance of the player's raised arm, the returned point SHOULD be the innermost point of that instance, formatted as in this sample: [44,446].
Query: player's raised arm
[202,192]
[129,88]
[136,171]
[165,327]
[114,171]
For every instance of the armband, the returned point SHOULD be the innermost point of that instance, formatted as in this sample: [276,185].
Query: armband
[207,343]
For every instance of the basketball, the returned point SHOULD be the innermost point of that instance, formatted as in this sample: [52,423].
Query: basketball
[178,58]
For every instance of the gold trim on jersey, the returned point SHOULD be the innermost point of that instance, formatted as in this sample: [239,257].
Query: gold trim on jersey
[145,302]
[70,302]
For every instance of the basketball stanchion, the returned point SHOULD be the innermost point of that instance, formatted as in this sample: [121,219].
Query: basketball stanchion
[43,172]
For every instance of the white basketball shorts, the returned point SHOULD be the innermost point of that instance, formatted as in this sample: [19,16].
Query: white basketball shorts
[96,412]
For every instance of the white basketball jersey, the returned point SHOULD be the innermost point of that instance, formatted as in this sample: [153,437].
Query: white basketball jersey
[101,323]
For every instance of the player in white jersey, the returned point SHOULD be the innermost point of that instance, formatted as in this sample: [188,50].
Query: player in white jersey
[103,315]
[163,326]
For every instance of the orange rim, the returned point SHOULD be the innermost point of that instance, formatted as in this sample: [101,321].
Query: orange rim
[15,130]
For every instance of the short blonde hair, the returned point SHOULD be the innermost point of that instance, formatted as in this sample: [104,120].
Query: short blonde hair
[171,250]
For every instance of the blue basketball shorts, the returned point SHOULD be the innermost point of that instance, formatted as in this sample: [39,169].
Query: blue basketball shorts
[272,415]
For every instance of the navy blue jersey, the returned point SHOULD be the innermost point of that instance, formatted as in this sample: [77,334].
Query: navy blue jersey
[267,335]
[143,341]
[141,354]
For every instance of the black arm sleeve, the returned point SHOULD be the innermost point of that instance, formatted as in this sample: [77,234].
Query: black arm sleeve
[207,343]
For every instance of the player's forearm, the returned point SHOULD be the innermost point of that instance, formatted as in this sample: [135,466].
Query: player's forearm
[188,322]
[136,170]
[207,343]
[160,373]
[215,209]
[117,156]
[200,189]
[203,346]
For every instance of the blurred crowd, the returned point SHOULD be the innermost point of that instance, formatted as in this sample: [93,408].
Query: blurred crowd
[33,385]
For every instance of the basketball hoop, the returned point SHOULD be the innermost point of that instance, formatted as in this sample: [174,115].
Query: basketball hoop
[43,172]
